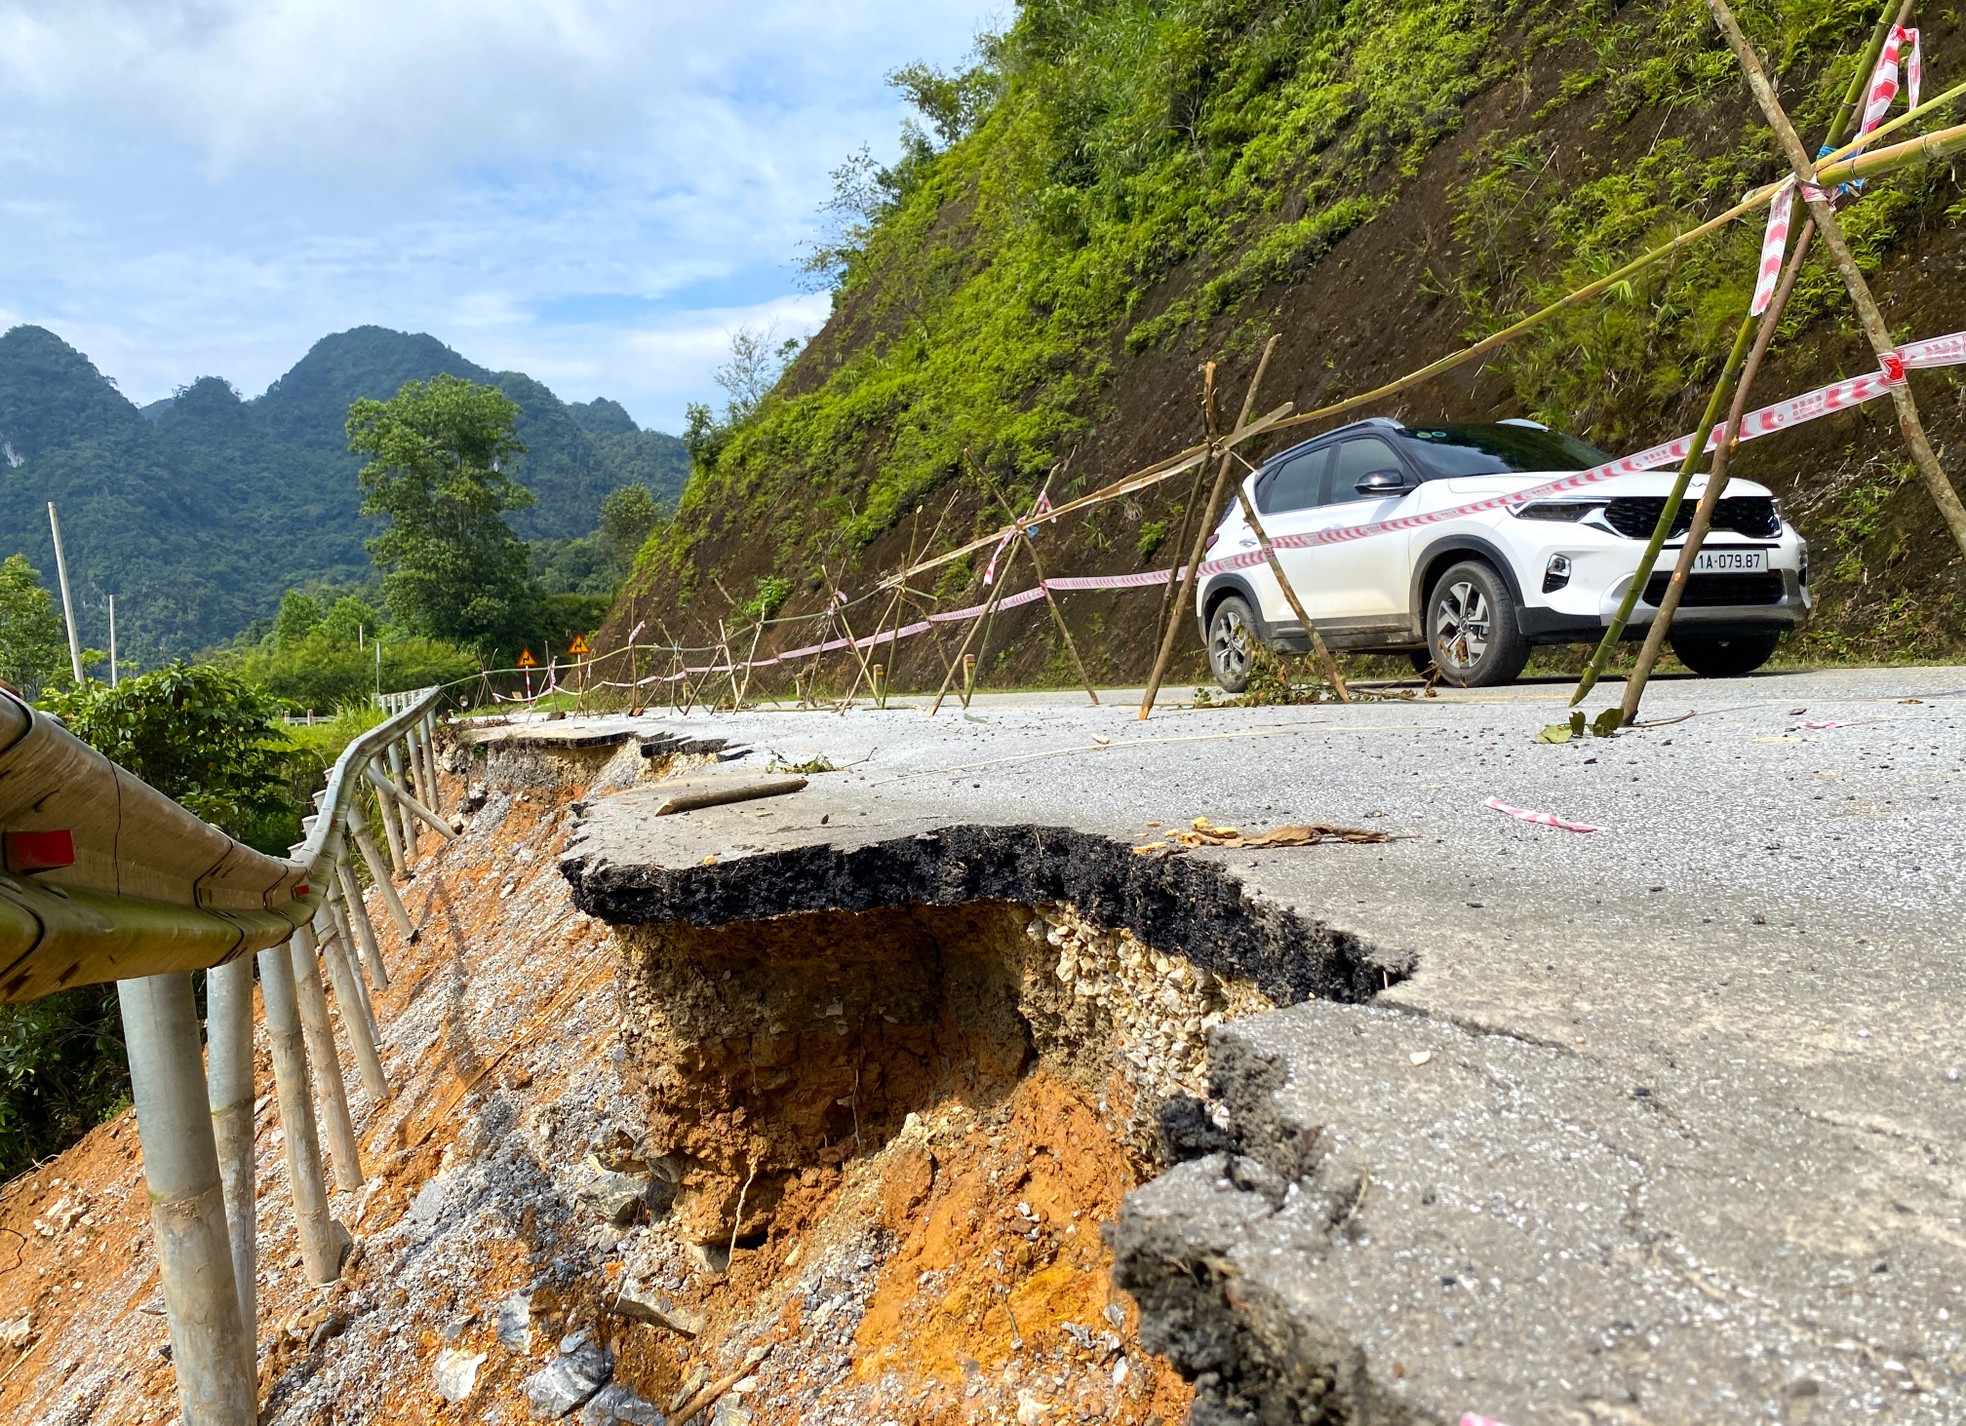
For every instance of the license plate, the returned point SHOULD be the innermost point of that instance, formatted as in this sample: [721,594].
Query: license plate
[1731,562]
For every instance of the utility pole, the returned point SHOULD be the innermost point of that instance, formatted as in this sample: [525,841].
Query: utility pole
[67,604]
[112,641]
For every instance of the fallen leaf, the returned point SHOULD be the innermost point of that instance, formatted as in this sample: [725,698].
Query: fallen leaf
[1420,1057]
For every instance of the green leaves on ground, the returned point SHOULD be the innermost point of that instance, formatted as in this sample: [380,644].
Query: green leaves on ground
[1604,725]
[453,569]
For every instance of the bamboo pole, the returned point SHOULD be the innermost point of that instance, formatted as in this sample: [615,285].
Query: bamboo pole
[331,1090]
[320,1253]
[838,608]
[1722,388]
[1895,12]
[1057,616]
[1872,320]
[1211,515]
[974,666]
[1696,534]
[989,607]
[1326,663]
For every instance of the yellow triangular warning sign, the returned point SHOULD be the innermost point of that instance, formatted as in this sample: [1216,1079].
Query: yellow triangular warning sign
[579,645]
[526,660]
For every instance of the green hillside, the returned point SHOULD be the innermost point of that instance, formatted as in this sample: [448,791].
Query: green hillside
[198,511]
[1122,189]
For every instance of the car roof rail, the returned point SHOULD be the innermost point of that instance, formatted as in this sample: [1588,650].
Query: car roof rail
[1522,421]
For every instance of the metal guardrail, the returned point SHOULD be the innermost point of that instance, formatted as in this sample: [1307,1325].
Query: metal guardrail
[105,878]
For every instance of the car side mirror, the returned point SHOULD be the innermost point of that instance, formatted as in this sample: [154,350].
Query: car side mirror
[1383,482]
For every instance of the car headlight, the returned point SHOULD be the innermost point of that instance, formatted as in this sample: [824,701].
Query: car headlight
[1564,511]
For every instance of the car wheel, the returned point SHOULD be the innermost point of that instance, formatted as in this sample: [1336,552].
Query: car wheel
[1472,632]
[1422,661]
[1724,657]
[1231,644]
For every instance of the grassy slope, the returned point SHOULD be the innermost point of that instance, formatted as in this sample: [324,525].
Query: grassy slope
[1162,183]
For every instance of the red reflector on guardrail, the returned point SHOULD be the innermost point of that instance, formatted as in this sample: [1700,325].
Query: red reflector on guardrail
[39,851]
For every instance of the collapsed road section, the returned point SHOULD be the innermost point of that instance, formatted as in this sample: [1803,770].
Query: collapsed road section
[833,1042]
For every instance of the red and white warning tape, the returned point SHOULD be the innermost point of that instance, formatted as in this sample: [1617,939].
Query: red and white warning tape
[1543,819]
[1877,103]
[1948,350]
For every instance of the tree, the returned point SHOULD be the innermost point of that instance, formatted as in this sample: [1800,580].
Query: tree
[628,517]
[32,649]
[756,363]
[452,567]
[298,617]
[198,735]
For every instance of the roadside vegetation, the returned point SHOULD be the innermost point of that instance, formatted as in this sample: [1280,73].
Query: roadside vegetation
[213,742]
[1111,192]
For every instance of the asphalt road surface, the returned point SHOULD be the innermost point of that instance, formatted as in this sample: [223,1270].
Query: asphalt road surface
[1662,1126]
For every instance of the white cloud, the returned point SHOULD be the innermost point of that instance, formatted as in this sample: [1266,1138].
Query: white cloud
[207,186]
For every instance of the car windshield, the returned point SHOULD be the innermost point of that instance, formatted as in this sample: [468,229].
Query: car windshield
[1447,451]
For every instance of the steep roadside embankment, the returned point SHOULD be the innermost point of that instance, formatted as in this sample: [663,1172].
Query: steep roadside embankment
[1151,186]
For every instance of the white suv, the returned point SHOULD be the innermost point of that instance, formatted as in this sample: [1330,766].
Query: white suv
[1472,594]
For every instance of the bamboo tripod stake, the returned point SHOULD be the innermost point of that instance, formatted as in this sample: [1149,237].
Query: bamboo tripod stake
[1872,320]
[1655,637]
[1057,615]
[1210,514]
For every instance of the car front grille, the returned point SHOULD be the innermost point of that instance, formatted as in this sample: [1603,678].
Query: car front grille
[1634,516]
[1707,591]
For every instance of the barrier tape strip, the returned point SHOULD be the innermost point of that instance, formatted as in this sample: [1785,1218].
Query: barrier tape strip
[1948,350]
[1884,79]
[1543,819]
[1883,89]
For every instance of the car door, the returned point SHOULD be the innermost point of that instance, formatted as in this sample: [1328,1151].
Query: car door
[1355,584]
[1287,500]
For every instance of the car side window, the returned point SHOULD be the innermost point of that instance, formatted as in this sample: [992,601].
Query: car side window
[1296,484]
[1357,458]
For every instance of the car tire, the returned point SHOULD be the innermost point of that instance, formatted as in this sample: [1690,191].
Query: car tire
[1422,661]
[1724,657]
[1473,635]
[1232,643]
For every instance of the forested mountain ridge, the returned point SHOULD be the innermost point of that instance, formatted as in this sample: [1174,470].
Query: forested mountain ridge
[199,510]
[1117,192]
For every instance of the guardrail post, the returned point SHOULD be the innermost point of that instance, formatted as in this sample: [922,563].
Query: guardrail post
[209,1347]
[320,1242]
[391,832]
[358,828]
[410,807]
[354,1009]
[358,916]
[427,731]
[342,944]
[229,1083]
[304,977]
[404,824]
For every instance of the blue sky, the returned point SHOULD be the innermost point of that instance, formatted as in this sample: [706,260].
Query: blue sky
[596,192]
